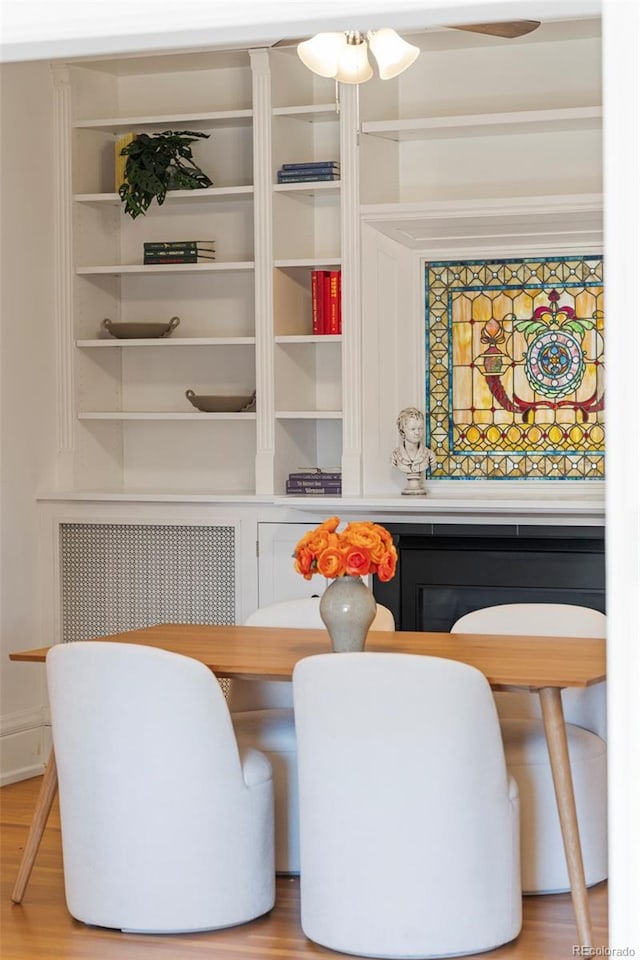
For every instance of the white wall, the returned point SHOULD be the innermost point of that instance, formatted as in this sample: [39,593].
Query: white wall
[27,383]
[621,54]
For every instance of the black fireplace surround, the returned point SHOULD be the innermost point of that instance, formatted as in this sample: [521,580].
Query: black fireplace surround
[447,570]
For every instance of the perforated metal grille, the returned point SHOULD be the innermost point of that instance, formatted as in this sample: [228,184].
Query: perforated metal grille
[117,577]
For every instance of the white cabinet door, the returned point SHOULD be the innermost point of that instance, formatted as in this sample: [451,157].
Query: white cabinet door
[277,579]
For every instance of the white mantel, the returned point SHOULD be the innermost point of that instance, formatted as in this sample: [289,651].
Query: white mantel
[447,501]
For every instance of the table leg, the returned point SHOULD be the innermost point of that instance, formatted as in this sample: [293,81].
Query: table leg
[556,734]
[48,790]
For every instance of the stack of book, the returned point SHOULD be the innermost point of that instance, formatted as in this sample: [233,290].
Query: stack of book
[326,301]
[315,482]
[314,170]
[180,251]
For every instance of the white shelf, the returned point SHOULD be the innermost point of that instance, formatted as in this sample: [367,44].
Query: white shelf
[487,124]
[169,342]
[309,262]
[310,338]
[496,509]
[310,112]
[206,193]
[215,118]
[219,266]
[268,223]
[141,495]
[310,187]
[157,415]
[309,414]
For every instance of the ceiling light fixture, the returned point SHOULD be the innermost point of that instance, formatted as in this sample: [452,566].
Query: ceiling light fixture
[343,56]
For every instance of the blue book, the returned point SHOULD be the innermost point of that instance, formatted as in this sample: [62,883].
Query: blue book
[322,475]
[322,486]
[313,165]
[314,491]
[289,177]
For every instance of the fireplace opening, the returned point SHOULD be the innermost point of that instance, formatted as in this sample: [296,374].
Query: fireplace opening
[445,571]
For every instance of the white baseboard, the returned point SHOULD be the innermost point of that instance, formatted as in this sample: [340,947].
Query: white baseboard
[24,745]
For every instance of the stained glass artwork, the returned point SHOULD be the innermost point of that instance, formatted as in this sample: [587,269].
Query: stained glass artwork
[515,368]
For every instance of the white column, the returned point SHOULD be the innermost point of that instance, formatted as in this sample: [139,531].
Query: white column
[351,293]
[621,89]
[263,256]
[63,276]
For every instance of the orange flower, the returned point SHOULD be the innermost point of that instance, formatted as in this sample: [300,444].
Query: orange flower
[331,524]
[357,561]
[387,567]
[330,563]
[303,541]
[304,561]
[320,540]
[384,534]
[361,535]
[362,548]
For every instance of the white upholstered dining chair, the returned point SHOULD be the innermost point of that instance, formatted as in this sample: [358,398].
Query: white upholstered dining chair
[166,827]
[262,713]
[544,868]
[408,819]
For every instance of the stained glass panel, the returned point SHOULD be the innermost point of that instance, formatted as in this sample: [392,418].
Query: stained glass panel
[515,368]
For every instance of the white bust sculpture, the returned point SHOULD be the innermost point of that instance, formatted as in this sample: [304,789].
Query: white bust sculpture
[412,456]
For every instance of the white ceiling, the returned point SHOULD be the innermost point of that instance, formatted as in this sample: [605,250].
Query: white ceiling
[53,29]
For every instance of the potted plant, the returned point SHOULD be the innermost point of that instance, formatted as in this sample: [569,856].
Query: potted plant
[156,163]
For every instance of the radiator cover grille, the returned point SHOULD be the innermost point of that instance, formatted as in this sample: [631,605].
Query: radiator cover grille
[117,577]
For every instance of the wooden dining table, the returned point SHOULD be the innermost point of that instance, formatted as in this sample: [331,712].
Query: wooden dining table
[543,665]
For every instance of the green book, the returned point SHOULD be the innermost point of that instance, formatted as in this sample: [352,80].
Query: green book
[180,246]
[155,258]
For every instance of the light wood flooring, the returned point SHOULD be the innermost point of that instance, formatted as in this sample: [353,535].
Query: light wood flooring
[41,928]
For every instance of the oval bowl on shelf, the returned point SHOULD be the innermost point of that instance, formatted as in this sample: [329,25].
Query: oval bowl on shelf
[220,404]
[140,329]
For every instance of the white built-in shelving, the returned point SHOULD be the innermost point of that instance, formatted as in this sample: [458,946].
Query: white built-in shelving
[134,426]
[209,119]
[309,414]
[245,319]
[309,112]
[150,269]
[308,189]
[191,196]
[307,235]
[309,338]
[419,156]
[508,123]
[309,262]
[157,415]
[168,343]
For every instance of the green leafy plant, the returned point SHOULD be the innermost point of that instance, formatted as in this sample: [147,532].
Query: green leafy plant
[157,163]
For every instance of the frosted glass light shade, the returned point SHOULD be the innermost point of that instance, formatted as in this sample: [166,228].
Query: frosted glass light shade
[343,56]
[392,53]
[353,64]
[322,52]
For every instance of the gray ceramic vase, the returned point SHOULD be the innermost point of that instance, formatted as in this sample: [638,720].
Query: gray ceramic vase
[347,608]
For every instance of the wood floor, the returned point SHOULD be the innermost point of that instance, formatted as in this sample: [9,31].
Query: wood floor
[41,928]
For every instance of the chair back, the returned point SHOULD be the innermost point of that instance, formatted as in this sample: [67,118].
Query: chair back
[151,786]
[585,707]
[302,613]
[405,808]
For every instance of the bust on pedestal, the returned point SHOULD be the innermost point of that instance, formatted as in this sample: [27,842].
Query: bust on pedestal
[412,456]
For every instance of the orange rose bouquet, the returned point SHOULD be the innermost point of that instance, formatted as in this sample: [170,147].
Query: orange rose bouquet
[361,548]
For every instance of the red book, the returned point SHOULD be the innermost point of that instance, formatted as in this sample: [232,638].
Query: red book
[334,312]
[315,302]
[326,301]
[321,313]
